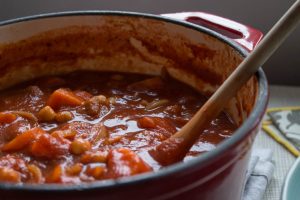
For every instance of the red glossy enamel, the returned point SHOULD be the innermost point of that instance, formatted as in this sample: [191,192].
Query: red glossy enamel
[246,36]
[218,175]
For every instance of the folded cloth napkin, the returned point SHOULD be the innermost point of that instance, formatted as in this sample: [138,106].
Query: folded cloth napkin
[287,121]
[259,174]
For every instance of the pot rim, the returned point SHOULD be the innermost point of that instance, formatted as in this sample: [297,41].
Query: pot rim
[243,131]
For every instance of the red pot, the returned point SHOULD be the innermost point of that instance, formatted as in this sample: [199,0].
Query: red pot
[201,55]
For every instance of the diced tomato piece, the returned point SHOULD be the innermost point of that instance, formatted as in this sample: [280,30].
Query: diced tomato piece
[63,97]
[165,124]
[78,127]
[124,162]
[48,146]
[6,117]
[23,140]
[83,94]
[162,126]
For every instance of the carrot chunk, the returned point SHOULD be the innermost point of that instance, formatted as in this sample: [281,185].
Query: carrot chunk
[6,117]
[56,176]
[124,162]
[63,97]
[146,122]
[156,122]
[21,141]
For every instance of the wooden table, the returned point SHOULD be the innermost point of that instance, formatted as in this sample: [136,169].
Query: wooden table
[280,96]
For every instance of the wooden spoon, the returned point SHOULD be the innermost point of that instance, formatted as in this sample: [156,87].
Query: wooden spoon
[175,148]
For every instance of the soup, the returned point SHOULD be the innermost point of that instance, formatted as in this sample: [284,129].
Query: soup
[88,126]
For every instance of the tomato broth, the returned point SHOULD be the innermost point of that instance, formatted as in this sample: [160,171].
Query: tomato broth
[88,126]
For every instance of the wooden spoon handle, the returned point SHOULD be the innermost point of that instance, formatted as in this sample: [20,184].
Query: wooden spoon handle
[244,71]
[175,148]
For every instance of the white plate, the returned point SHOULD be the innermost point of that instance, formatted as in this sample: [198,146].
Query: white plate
[291,188]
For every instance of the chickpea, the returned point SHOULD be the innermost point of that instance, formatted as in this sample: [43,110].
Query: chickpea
[173,109]
[68,134]
[79,146]
[9,175]
[144,103]
[36,174]
[94,157]
[64,116]
[74,170]
[112,100]
[46,114]
[93,105]
[96,172]
[101,99]
[156,103]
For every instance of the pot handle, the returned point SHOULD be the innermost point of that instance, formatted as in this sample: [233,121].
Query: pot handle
[245,36]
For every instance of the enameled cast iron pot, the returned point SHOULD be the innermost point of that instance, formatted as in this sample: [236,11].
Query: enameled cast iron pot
[197,48]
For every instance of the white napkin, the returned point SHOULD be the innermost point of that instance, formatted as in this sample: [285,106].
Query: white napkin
[259,174]
[287,122]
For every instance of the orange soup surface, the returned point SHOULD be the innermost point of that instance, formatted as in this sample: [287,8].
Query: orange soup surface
[88,126]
